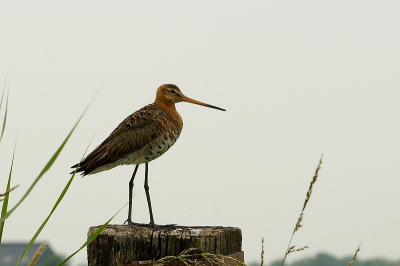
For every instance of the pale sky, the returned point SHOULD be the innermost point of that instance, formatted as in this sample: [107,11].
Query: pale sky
[298,79]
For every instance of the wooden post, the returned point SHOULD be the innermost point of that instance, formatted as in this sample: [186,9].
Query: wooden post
[123,245]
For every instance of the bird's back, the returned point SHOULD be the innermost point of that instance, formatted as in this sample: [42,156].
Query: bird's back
[140,138]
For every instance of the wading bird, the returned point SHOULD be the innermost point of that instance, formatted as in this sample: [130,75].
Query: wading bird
[142,137]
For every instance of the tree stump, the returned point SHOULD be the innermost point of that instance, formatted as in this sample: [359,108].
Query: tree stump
[123,245]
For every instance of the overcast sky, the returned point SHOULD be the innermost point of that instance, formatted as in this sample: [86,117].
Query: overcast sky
[298,79]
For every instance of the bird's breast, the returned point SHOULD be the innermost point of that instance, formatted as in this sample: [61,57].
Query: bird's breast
[161,142]
[160,145]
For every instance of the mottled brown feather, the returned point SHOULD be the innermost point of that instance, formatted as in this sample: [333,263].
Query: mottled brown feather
[132,135]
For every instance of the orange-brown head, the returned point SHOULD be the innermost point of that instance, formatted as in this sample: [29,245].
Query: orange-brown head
[169,94]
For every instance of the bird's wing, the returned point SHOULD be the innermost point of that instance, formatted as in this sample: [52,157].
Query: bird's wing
[131,135]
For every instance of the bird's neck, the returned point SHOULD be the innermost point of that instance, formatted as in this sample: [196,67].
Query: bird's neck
[169,108]
[166,106]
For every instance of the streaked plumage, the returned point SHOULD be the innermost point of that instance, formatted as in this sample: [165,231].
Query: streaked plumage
[142,137]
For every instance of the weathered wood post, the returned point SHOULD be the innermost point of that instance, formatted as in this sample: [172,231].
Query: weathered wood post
[123,245]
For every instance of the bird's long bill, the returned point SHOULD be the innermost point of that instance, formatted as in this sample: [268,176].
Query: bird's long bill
[188,100]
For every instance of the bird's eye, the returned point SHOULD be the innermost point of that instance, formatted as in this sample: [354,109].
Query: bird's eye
[172,91]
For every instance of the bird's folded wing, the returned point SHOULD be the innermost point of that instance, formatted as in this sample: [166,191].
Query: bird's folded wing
[131,135]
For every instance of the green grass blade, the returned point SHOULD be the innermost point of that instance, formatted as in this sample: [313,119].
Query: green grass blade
[2,95]
[93,237]
[5,114]
[5,117]
[5,202]
[46,168]
[45,221]
[52,211]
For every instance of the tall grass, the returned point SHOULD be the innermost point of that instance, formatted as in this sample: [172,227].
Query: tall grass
[262,252]
[291,249]
[51,213]
[8,189]
[6,214]
[194,256]
[5,113]
[354,256]
[37,254]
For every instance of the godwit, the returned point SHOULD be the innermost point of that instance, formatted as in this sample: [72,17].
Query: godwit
[142,137]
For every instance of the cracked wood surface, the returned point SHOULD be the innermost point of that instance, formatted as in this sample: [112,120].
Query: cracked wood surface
[123,244]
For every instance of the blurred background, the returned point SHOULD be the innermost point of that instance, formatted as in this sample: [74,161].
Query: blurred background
[298,79]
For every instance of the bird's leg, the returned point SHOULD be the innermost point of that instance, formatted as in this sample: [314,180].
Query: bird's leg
[129,221]
[146,188]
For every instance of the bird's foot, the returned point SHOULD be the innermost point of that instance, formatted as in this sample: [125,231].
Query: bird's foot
[129,222]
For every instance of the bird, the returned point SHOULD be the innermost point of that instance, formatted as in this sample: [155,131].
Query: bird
[140,138]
